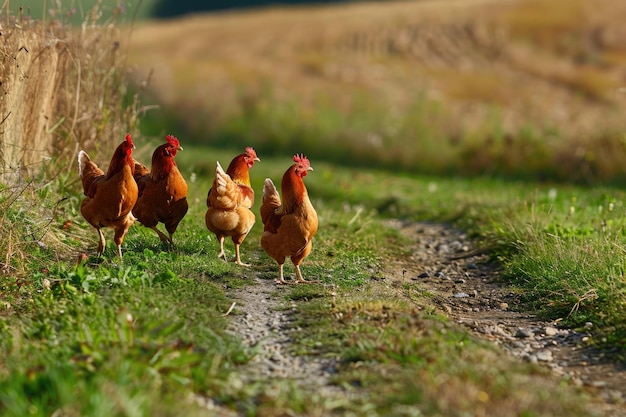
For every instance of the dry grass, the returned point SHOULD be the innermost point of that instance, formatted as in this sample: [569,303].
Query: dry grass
[63,89]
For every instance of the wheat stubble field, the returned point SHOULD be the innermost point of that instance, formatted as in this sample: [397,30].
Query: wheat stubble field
[527,89]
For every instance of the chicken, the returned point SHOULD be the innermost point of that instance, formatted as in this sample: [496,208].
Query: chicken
[109,197]
[162,191]
[290,226]
[229,202]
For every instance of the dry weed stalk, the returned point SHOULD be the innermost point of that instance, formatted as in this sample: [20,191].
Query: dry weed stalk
[63,88]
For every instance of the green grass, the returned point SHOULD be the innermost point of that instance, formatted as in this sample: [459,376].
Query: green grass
[148,332]
[562,246]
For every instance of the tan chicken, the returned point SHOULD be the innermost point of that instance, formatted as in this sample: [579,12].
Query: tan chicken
[290,225]
[229,202]
[109,197]
[162,191]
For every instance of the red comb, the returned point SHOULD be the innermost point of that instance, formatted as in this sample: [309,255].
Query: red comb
[250,152]
[172,140]
[129,139]
[301,159]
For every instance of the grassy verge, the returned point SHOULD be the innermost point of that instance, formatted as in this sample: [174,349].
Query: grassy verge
[149,334]
[561,245]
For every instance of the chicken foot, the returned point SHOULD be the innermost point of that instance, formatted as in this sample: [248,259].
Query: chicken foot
[222,254]
[301,280]
[163,236]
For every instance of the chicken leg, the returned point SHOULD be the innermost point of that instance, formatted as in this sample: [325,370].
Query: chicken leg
[101,241]
[301,280]
[222,254]
[238,257]
[163,236]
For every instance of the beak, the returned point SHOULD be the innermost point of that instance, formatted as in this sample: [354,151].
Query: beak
[309,169]
[257,159]
[180,148]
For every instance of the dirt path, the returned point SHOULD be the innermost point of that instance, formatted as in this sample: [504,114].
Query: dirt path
[464,287]
[264,323]
[470,290]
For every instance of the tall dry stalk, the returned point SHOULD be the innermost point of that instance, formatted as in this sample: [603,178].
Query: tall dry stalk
[63,89]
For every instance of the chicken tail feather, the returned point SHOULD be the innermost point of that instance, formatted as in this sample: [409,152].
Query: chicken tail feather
[83,160]
[221,176]
[140,170]
[271,202]
[270,193]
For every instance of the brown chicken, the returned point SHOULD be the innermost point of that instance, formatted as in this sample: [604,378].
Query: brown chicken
[162,190]
[110,197]
[229,202]
[290,226]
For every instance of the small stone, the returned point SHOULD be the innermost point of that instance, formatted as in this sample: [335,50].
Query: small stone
[472,265]
[424,274]
[523,333]
[444,248]
[461,295]
[597,384]
[544,355]
[614,396]
[441,275]
[551,331]
[531,358]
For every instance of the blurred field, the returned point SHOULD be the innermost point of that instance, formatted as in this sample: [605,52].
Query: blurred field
[522,88]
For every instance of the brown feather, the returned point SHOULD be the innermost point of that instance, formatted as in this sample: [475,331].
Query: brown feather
[290,225]
[109,197]
[162,191]
[229,201]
